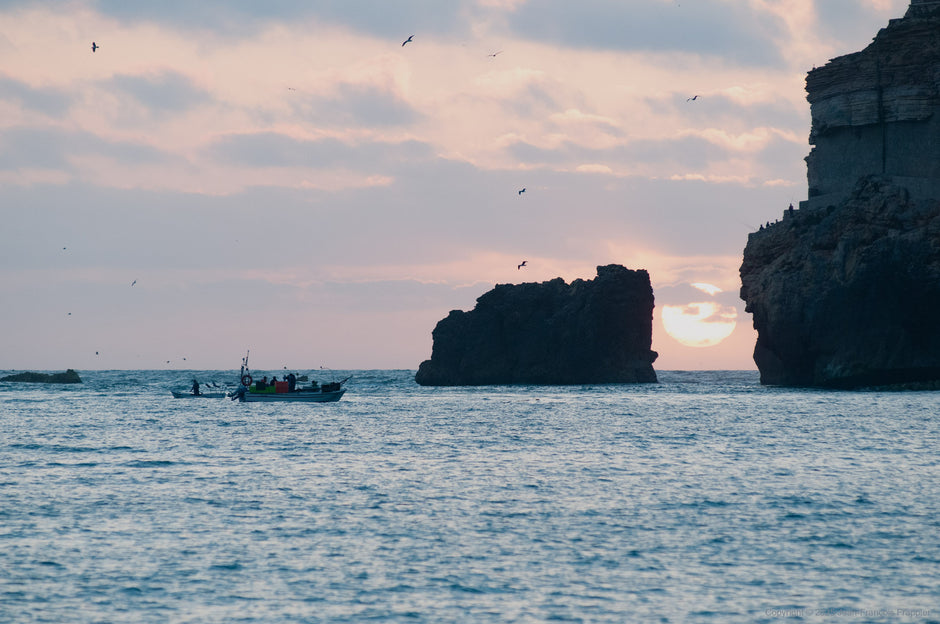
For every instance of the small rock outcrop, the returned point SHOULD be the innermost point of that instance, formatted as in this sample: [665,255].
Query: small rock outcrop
[844,292]
[68,377]
[594,331]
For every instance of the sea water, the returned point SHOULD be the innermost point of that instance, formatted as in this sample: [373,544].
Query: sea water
[703,498]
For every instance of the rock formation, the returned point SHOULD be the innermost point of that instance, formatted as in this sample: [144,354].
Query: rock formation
[594,331]
[844,291]
[68,377]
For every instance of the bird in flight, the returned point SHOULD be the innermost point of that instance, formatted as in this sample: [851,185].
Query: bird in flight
[134,282]
[495,53]
[408,40]
[94,46]
[522,191]
[692,99]
[522,264]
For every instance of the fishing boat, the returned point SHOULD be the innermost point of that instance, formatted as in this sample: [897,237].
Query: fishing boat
[251,391]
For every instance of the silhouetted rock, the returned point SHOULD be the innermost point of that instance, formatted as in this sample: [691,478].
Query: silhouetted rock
[68,377]
[594,331]
[848,296]
[845,291]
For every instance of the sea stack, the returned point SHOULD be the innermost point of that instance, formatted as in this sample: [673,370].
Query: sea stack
[589,331]
[844,292]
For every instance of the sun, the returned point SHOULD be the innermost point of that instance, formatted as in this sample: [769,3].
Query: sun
[701,323]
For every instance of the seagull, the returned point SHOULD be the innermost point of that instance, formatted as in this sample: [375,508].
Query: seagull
[692,99]
[94,46]
[495,53]
[134,282]
[522,191]
[408,40]
[521,265]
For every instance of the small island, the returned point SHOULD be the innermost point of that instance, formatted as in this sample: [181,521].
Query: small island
[68,377]
[552,333]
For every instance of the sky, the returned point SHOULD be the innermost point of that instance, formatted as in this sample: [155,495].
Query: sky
[287,177]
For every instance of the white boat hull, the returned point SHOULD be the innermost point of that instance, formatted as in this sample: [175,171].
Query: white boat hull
[292,397]
[202,395]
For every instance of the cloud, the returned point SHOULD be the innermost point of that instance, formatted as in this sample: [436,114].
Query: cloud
[162,94]
[272,149]
[733,30]
[769,107]
[51,102]
[53,148]
[688,152]
[395,20]
[847,24]
[357,105]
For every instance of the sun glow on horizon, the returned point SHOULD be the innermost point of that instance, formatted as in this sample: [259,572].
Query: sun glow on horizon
[699,324]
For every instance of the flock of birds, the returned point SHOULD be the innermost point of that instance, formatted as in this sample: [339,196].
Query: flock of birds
[410,39]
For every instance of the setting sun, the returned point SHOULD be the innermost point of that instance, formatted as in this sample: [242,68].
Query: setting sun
[701,324]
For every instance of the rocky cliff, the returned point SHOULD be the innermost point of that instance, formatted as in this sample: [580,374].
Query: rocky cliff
[876,111]
[593,331]
[68,377]
[848,296]
[844,291]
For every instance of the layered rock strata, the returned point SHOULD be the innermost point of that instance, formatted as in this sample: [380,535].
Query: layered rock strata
[844,291]
[876,111]
[589,331]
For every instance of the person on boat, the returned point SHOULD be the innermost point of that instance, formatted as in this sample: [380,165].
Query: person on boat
[263,383]
[291,382]
[195,387]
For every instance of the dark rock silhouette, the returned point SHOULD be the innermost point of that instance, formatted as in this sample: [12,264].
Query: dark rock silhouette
[848,296]
[594,331]
[68,377]
[844,292]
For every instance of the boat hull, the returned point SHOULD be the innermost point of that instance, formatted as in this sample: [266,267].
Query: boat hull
[292,397]
[203,395]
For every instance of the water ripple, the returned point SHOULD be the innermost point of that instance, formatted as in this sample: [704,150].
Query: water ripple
[705,498]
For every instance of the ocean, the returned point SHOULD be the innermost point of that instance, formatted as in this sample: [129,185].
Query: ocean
[703,498]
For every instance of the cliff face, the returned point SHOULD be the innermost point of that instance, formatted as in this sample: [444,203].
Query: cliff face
[844,291]
[848,296]
[876,111]
[594,331]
